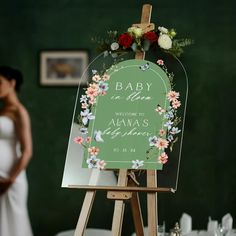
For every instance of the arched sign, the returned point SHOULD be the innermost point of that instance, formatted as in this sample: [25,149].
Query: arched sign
[129,123]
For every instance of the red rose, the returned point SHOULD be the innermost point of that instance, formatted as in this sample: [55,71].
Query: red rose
[125,40]
[151,36]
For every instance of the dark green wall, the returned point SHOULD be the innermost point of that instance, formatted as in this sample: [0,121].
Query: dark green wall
[207,185]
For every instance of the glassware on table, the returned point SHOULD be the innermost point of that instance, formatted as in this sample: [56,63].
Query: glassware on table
[212,225]
[161,229]
[222,231]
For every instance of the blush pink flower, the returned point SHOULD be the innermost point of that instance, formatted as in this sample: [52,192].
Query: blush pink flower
[102,93]
[161,143]
[105,77]
[162,132]
[92,100]
[96,78]
[91,93]
[84,105]
[160,62]
[101,164]
[92,90]
[78,140]
[176,103]
[160,110]
[93,151]
[163,158]
[88,140]
[172,95]
[93,86]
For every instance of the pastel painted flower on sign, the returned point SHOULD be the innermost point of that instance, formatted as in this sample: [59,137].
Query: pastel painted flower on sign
[94,72]
[93,151]
[168,124]
[84,105]
[170,138]
[172,95]
[169,115]
[92,162]
[88,139]
[103,87]
[96,78]
[160,110]
[91,92]
[105,77]
[101,164]
[176,103]
[83,99]
[152,141]
[163,158]
[86,116]
[175,130]
[160,62]
[98,136]
[162,132]
[84,130]
[161,143]
[78,140]
[92,101]
[137,164]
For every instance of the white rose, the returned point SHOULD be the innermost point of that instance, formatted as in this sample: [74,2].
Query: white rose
[163,30]
[114,46]
[165,41]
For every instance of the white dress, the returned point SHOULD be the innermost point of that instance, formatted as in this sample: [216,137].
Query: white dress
[14,219]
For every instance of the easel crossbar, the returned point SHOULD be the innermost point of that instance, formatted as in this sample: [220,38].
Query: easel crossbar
[125,189]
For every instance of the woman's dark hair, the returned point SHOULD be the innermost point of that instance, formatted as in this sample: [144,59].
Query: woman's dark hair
[12,74]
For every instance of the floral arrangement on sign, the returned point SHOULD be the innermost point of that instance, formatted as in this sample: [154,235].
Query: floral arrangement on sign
[98,87]
[136,40]
[171,121]
[162,141]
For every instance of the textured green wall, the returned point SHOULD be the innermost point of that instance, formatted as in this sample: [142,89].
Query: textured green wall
[207,185]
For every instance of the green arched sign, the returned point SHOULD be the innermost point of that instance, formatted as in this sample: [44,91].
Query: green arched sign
[128,116]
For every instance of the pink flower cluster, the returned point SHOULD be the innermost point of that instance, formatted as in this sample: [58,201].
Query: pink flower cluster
[98,87]
[93,151]
[161,144]
[173,98]
[163,158]
[94,90]
[80,140]
[101,164]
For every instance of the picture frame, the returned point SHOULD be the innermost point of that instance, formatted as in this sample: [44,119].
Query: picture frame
[63,68]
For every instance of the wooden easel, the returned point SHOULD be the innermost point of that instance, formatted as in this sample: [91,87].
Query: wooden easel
[126,188]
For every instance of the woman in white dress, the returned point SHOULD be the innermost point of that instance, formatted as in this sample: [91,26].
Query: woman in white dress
[15,153]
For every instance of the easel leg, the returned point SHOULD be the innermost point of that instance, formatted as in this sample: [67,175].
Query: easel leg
[152,203]
[85,212]
[137,214]
[118,217]
[119,206]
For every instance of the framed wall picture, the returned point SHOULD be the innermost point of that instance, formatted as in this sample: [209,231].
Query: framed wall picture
[63,68]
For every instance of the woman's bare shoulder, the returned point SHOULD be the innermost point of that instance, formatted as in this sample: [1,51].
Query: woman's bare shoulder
[21,114]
